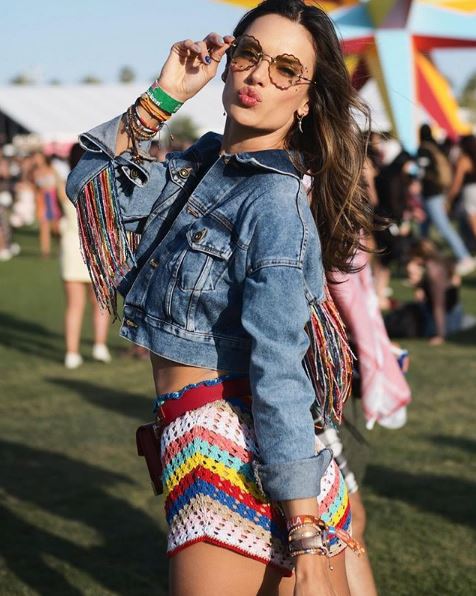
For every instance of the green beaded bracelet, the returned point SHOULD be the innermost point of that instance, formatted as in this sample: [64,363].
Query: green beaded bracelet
[163,100]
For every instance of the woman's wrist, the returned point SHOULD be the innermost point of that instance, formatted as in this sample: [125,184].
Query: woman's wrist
[172,91]
[308,566]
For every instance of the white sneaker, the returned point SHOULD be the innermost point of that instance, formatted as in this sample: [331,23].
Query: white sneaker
[5,255]
[101,353]
[72,360]
[465,266]
[15,249]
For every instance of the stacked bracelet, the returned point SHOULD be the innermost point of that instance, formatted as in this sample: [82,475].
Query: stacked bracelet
[159,106]
[306,535]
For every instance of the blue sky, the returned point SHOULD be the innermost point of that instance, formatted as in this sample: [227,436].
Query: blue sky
[68,39]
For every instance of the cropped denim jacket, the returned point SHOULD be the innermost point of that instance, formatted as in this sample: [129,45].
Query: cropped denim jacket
[227,267]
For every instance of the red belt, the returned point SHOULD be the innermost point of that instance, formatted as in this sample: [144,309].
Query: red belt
[196,397]
[148,435]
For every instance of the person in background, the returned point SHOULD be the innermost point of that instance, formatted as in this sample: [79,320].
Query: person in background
[465,180]
[396,186]
[8,249]
[77,284]
[380,394]
[23,210]
[437,310]
[47,206]
[437,178]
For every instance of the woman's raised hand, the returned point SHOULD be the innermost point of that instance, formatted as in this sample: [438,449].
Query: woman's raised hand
[192,64]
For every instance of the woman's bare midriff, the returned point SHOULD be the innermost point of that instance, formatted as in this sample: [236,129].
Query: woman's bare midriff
[172,376]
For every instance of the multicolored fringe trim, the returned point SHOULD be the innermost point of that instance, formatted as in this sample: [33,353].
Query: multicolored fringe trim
[328,362]
[107,249]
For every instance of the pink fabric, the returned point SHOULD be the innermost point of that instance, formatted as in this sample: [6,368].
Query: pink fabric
[384,388]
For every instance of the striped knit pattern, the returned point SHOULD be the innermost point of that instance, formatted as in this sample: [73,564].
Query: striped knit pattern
[211,493]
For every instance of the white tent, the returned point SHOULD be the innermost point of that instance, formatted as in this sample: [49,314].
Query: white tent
[60,113]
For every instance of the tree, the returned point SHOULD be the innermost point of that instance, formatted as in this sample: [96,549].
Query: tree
[184,130]
[126,75]
[22,79]
[91,80]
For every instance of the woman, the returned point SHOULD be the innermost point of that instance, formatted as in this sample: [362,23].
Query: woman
[437,291]
[77,284]
[437,311]
[465,179]
[47,206]
[395,185]
[227,278]
[437,178]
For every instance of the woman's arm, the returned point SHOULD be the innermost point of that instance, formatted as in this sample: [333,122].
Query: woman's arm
[189,67]
[116,184]
[274,313]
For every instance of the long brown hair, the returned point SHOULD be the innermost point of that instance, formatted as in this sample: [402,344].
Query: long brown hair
[331,144]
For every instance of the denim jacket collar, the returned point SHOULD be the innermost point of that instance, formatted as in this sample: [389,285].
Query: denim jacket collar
[207,148]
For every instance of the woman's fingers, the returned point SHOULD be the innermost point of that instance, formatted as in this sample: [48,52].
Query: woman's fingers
[212,48]
[218,45]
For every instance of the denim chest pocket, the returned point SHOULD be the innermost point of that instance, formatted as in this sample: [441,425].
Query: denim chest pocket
[206,256]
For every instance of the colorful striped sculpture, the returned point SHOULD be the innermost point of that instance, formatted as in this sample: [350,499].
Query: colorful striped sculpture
[390,40]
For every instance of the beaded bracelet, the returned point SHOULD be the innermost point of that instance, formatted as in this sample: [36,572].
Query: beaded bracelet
[140,131]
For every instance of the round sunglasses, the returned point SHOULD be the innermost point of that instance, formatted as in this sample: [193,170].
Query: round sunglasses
[285,70]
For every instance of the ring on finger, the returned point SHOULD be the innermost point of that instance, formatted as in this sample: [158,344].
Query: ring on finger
[210,53]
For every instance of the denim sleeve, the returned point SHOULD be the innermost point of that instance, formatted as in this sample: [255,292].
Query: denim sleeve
[113,196]
[136,186]
[274,314]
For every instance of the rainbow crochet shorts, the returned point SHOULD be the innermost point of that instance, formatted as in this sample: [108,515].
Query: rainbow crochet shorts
[211,494]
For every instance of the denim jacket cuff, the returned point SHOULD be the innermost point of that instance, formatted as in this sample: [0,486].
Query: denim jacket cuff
[298,479]
[102,139]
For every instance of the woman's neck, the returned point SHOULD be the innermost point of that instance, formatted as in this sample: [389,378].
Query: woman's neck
[239,139]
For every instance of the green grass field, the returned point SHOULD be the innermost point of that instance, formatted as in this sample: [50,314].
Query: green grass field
[78,515]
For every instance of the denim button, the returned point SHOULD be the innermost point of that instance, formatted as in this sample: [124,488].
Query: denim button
[184,173]
[154,263]
[130,323]
[199,235]
[134,174]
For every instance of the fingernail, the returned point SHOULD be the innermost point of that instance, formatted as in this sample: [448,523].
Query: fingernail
[221,40]
[207,59]
[196,48]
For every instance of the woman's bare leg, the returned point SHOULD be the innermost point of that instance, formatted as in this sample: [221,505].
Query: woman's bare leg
[359,571]
[45,239]
[100,319]
[75,303]
[203,569]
